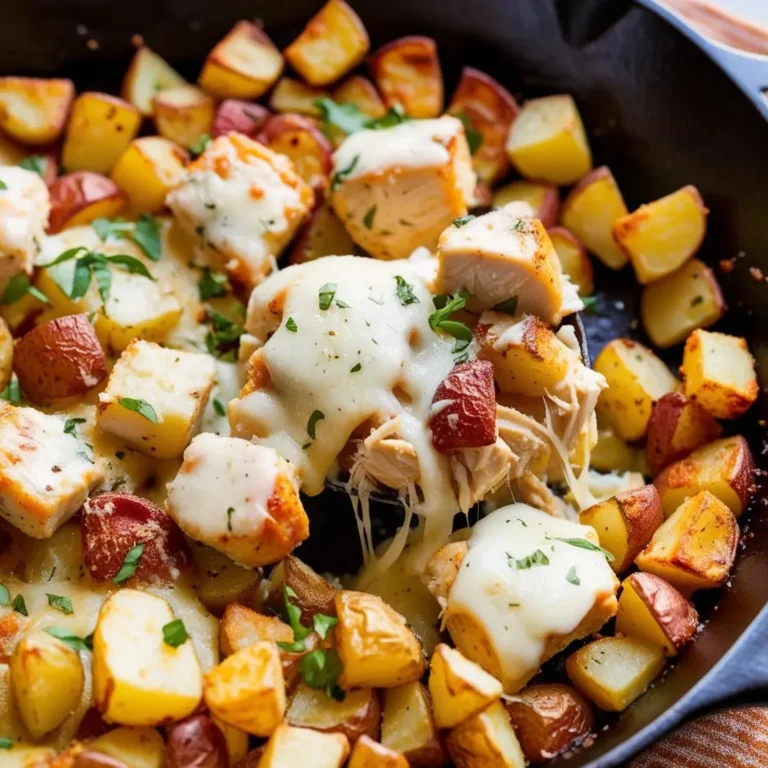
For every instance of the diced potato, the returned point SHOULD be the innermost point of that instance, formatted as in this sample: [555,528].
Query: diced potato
[291,95]
[148,75]
[184,114]
[547,141]
[47,678]
[247,689]
[241,627]
[459,687]
[291,747]
[81,197]
[244,65]
[528,358]
[408,727]
[148,170]
[374,643]
[678,304]
[322,235]
[314,594]
[625,523]
[653,610]
[33,110]
[591,210]
[695,547]
[236,740]
[724,467]
[661,236]
[407,72]
[573,259]
[359,714]
[175,385]
[636,379]
[719,373]
[677,427]
[100,129]
[544,199]
[333,42]
[361,92]
[139,679]
[368,753]
[136,747]
[549,719]
[486,739]
[614,671]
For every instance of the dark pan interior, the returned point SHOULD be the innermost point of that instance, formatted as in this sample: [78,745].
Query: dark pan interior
[658,111]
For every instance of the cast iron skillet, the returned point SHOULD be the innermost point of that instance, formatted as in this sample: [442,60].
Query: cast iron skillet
[660,113]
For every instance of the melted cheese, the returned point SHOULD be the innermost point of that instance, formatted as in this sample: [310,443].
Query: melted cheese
[519,608]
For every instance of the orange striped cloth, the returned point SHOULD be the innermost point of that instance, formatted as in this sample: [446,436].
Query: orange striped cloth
[736,738]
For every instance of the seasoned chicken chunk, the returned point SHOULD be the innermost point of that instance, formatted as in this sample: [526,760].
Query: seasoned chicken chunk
[24,209]
[397,189]
[503,254]
[244,203]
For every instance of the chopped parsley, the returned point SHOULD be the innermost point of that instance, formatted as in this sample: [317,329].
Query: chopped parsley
[212,284]
[223,337]
[117,227]
[3,186]
[6,743]
[290,325]
[321,669]
[508,306]
[342,304]
[349,119]
[12,392]
[537,558]
[137,405]
[339,176]
[20,606]
[148,237]
[445,307]
[474,137]
[355,368]
[368,218]
[200,145]
[35,163]
[129,566]
[313,419]
[5,595]
[572,577]
[218,406]
[70,426]
[68,638]
[60,603]
[323,624]
[590,304]
[18,286]
[405,292]
[586,544]
[519,225]
[325,295]
[175,633]
[463,220]
[230,512]
[293,615]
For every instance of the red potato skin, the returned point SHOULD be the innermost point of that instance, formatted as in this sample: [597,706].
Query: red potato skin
[473,410]
[196,742]
[114,523]
[240,116]
[562,232]
[641,525]
[603,172]
[73,192]
[61,358]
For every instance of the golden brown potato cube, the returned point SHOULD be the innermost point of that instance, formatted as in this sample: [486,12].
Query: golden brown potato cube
[291,747]
[636,379]
[368,753]
[549,719]
[80,198]
[407,72]
[661,236]
[487,110]
[528,358]
[590,211]
[148,75]
[244,65]
[361,92]
[375,645]
[719,373]
[408,727]
[333,42]
[322,235]
[184,114]
[486,739]
[614,671]
[547,141]
[133,747]
[653,610]
[544,199]
[241,627]
[625,523]
[678,304]
[247,689]
[695,546]
[291,95]
[459,688]
[723,467]
[34,110]
[677,427]
[314,594]
[100,129]
[573,259]
[148,170]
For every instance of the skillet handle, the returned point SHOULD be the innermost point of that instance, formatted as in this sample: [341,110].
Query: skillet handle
[748,70]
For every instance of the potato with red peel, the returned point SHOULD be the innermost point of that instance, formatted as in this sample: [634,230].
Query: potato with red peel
[653,610]
[291,95]
[34,110]
[196,742]
[80,197]
[573,259]
[322,235]
[407,72]
[625,523]
[464,408]
[677,426]
[361,92]
[148,75]
[544,199]
[114,523]
[489,110]
[297,137]
[240,116]
[314,593]
[549,719]
[184,114]
[61,358]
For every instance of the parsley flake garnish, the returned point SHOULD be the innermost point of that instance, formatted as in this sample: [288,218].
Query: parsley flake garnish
[463,220]
[313,419]
[18,286]
[325,295]
[70,426]
[129,566]
[175,633]
[230,512]
[68,638]
[20,606]
[12,392]
[339,176]
[200,145]
[355,368]
[537,558]
[405,292]
[60,603]
[572,576]
[508,306]
[290,325]
[213,284]
[5,595]
[586,544]
[368,218]
[35,163]
[474,137]
[321,669]
[142,407]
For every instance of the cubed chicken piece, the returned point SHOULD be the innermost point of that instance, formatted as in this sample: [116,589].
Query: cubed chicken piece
[244,203]
[399,188]
[45,473]
[504,254]
[24,208]
[238,498]
[155,396]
